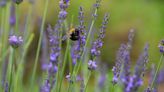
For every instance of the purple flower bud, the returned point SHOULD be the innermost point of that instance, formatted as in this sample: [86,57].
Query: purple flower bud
[161,46]
[15,41]
[46,87]
[92,65]
[62,14]
[55,69]
[64,4]
[53,57]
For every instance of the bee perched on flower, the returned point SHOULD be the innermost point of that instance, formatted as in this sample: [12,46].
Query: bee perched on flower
[74,34]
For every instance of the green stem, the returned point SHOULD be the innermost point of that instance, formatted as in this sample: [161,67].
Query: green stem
[10,68]
[39,43]
[21,64]
[64,65]
[70,84]
[113,88]
[157,70]
[87,43]
[86,85]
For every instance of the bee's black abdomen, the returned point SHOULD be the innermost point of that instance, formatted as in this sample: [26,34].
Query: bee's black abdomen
[75,35]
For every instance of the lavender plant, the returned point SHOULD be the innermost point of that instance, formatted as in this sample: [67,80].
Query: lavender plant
[73,64]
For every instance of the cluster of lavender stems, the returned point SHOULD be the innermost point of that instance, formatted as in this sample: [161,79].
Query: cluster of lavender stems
[130,80]
[123,60]
[54,41]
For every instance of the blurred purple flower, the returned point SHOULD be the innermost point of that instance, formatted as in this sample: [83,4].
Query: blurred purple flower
[3,3]
[161,46]
[101,80]
[12,19]
[92,65]
[126,69]
[75,52]
[15,41]
[64,4]
[6,87]
[119,60]
[123,60]
[160,78]
[136,80]
[62,14]
[46,87]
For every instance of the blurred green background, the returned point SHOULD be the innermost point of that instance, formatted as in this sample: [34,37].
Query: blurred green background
[145,16]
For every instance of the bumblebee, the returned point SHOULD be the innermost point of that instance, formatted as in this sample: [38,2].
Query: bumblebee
[74,34]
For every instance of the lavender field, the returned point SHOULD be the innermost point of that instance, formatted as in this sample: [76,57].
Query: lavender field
[81,46]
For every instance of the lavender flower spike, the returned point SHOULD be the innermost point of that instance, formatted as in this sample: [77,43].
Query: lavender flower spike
[119,60]
[99,43]
[15,41]
[46,87]
[136,80]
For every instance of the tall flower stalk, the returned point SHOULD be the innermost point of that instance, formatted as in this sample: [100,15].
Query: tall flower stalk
[95,49]
[161,50]
[39,43]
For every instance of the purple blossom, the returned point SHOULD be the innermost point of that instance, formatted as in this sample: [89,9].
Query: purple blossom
[46,87]
[161,46]
[6,87]
[54,41]
[136,80]
[101,80]
[123,61]
[160,78]
[81,27]
[92,65]
[64,4]
[75,52]
[126,69]
[12,19]
[95,50]
[15,41]
[97,5]
[119,60]
[3,3]
[62,14]
[78,46]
